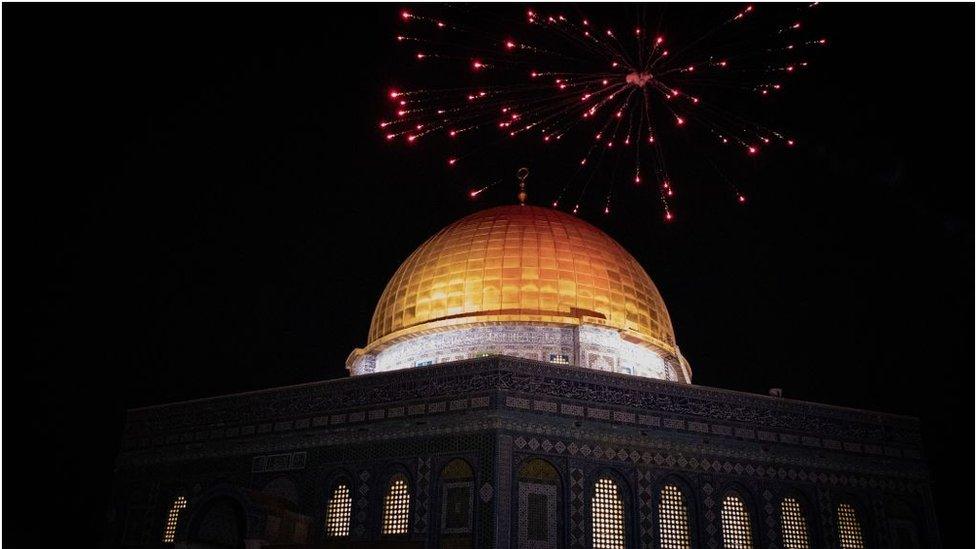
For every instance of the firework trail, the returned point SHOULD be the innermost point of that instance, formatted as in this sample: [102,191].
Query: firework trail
[604,97]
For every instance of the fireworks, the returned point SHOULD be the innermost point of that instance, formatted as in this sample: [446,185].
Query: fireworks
[608,99]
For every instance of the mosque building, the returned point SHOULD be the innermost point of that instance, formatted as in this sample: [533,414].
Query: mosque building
[521,386]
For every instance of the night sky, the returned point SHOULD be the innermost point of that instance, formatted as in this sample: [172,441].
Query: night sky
[198,202]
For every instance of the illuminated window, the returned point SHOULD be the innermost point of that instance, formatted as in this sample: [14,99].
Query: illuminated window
[173,518]
[338,513]
[794,525]
[559,359]
[396,507]
[608,516]
[849,528]
[736,530]
[673,519]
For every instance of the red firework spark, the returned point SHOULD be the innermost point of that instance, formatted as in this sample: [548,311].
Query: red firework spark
[568,77]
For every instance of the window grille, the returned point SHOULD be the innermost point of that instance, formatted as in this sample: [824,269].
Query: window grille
[608,515]
[396,507]
[673,519]
[338,512]
[736,528]
[173,519]
[794,525]
[849,528]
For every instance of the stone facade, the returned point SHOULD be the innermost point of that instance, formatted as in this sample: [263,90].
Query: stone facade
[256,468]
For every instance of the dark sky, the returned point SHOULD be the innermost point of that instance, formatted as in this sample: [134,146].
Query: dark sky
[198,203]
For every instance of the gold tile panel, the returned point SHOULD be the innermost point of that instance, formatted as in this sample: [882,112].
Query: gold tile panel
[522,263]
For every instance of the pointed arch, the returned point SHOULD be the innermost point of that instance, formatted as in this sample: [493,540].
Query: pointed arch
[220,521]
[903,523]
[539,504]
[457,499]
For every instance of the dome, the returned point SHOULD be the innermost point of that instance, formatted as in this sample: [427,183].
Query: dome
[521,266]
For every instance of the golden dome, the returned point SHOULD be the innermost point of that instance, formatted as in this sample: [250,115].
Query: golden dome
[525,264]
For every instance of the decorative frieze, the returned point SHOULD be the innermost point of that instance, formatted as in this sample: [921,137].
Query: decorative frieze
[526,385]
[589,346]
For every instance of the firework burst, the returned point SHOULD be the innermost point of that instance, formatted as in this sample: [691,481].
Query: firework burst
[598,96]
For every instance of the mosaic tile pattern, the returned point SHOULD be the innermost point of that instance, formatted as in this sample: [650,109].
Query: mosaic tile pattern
[421,515]
[577,517]
[486,492]
[826,517]
[362,503]
[532,341]
[587,346]
[481,410]
[768,517]
[882,535]
[537,528]
[319,405]
[603,349]
[645,508]
[678,461]
[457,507]
[710,514]
[503,496]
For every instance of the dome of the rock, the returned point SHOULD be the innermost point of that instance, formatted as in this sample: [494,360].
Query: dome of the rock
[523,281]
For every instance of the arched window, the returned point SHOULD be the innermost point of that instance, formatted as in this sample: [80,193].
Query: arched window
[848,527]
[217,523]
[173,519]
[904,525]
[736,526]
[607,512]
[338,512]
[538,493]
[457,498]
[396,507]
[794,525]
[673,519]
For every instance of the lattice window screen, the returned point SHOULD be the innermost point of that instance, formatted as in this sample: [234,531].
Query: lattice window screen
[736,527]
[396,507]
[673,519]
[794,525]
[339,512]
[173,519]
[849,527]
[608,516]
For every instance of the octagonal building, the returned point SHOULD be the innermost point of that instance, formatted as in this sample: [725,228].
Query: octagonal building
[520,386]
